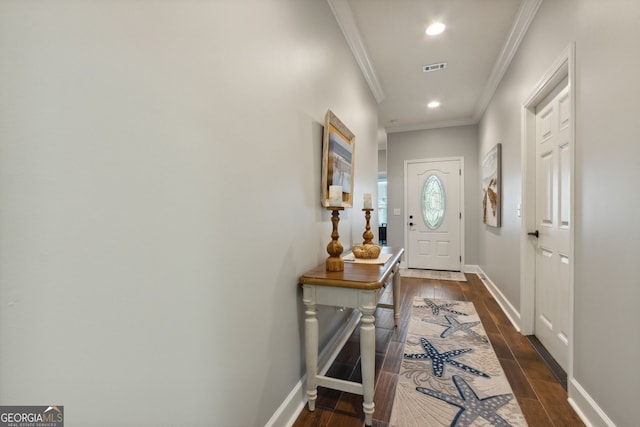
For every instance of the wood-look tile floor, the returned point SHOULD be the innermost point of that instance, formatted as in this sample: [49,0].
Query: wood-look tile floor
[541,397]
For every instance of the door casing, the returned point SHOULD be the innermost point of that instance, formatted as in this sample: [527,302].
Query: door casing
[563,67]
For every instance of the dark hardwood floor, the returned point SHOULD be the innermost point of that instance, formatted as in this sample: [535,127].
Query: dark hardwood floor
[542,399]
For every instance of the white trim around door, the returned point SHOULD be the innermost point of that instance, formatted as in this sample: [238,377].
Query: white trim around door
[563,68]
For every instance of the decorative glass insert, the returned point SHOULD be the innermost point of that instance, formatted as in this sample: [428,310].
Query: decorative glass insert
[433,202]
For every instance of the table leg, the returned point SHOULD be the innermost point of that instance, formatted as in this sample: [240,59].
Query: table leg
[396,295]
[368,361]
[311,347]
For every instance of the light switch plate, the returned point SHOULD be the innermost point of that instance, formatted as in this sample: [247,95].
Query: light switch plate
[396,212]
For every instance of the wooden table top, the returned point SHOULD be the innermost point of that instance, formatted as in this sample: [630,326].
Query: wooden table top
[355,275]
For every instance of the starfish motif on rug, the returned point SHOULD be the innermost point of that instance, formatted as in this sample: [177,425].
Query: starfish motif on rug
[471,406]
[454,326]
[435,308]
[438,359]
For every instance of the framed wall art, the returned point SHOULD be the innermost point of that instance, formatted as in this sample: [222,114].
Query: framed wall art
[491,186]
[338,149]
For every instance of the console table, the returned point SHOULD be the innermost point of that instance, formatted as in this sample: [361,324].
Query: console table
[359,286]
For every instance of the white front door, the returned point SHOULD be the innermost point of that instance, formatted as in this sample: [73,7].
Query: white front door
[434,214]
[553,197]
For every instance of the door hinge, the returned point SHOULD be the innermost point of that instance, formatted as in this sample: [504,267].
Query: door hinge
[460,215]
[460,258]
[460,172]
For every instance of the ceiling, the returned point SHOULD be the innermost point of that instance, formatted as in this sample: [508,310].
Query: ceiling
[389,42]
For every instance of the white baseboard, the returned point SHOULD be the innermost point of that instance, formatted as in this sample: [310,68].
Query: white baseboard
[587,408]
[509,310]
[289,410]
[472,269]
[293,404]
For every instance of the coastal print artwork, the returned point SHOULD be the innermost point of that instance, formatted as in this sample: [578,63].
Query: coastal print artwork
[491,187]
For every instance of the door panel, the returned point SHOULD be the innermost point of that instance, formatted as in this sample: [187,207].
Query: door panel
[434,235]
[564,198]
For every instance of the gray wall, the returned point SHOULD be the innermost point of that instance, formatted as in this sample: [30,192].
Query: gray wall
[382,160]
[446,142]
[607,170]
[160,197]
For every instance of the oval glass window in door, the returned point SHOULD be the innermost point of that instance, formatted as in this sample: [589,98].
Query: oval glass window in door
[433,202]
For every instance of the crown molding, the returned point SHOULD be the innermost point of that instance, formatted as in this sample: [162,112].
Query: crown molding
[347,23]
[431,125]
[521,22]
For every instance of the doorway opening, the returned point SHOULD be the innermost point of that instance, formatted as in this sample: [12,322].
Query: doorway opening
[382,208]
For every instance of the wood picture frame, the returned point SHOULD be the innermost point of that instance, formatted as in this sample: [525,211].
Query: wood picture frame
[492,187]
[338,150]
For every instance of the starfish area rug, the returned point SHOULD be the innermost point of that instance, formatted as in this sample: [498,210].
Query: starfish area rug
[450,375]
[433,274]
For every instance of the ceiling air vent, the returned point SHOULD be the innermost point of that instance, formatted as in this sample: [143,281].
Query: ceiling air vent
[434,67]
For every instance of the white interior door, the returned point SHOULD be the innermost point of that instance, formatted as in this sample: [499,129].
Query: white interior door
[553,173]
[434,215]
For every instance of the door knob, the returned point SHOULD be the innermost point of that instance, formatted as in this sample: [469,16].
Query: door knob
[411,224]
[534,233]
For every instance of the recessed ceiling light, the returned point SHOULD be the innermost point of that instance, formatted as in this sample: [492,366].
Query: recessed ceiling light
[433,104]
[435,28]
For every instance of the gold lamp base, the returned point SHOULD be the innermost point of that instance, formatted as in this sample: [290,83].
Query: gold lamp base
[334,248]
[367,250]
